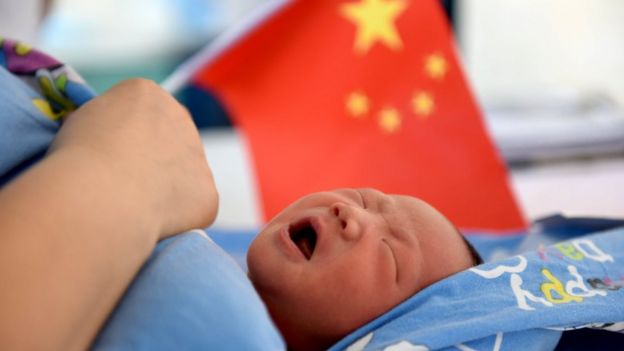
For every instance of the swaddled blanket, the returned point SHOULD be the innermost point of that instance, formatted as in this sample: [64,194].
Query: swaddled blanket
[520,303]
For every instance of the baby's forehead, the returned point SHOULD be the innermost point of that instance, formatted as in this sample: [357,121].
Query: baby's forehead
[329,197]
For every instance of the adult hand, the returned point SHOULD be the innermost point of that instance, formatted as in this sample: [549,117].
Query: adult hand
[125,170]
[150,144]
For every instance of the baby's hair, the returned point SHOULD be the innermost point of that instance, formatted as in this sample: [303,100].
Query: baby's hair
[474,255]
[476,258]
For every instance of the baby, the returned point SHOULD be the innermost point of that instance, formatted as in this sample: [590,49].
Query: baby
[333,261]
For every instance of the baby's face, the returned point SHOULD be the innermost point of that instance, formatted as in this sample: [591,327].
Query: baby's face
[333,261]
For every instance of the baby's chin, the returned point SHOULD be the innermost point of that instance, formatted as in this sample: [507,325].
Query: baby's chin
[263,265]
[254,260]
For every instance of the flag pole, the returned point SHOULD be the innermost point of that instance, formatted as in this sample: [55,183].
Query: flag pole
[176,80]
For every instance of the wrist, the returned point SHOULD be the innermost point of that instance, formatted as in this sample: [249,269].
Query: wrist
[118,192]
[75,231]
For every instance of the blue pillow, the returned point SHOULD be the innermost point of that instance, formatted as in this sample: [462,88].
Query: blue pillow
[190,295]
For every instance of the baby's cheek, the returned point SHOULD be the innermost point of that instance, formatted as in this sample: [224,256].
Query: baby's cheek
[259,264]
[356,283]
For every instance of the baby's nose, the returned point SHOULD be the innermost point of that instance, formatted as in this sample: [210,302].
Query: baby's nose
[347,218]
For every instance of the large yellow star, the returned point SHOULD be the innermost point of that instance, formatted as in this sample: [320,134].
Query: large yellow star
[357,104]
[389,120]
[375,21]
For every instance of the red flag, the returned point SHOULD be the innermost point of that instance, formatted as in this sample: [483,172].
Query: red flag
[362,93]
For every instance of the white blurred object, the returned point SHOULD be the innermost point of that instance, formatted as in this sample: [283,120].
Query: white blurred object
[86,33]
[230,164]
[19,20]
[532,63]
[555,127]
[131,32]
[593,187]
[537,46]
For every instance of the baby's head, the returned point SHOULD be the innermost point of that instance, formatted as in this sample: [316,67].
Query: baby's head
[333,261]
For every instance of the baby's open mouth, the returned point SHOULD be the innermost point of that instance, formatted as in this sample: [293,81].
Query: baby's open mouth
[304,236]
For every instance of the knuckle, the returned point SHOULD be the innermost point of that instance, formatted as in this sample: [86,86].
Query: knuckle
[140,88]
[183,111]
[141,83]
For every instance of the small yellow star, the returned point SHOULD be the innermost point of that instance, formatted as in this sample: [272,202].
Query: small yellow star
[357,104]
[423,103]
[375,21]
[436,66]
[389,120]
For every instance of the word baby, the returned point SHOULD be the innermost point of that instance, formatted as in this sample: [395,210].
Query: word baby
[568,274]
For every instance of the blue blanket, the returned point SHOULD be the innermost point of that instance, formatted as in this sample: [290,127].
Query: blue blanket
[189,295]
[520,303]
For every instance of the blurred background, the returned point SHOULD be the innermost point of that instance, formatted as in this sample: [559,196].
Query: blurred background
[548,74]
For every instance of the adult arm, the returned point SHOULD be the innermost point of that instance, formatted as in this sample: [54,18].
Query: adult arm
[126,170]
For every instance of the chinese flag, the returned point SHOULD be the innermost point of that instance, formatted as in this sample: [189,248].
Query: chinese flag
[362,93]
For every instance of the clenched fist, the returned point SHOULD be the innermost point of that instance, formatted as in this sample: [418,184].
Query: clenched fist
[147,144]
